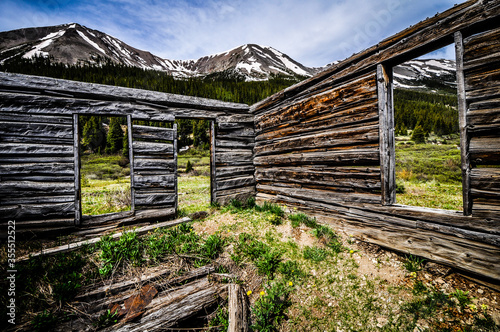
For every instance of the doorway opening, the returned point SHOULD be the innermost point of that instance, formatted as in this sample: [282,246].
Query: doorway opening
[426,125]
[104,165]
[194,164]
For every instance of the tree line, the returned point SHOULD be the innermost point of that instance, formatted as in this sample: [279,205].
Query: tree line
[428,112]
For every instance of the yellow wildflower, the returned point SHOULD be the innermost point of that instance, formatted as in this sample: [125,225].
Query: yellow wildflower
[484,306]
[352,251]
[290,283]
[262,293]
[249,293]
[472,307]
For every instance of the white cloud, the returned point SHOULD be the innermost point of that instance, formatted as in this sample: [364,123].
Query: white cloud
[314,32]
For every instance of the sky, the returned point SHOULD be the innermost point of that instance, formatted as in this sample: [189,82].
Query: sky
[313,32]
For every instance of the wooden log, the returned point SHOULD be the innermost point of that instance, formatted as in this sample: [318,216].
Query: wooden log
[33,118]
[76,245]
[233,171]
[37,200]
[154,181]
[235,182]
[363,178]
[238,309]
[13,159]
[331,139]
[317,194]
[29,129]
[153,133]
[29,188]
[155,199]
[149,148]
[485,150]
[106,92]
[89,220]
[486,78]
[213,168]
[335,100]
[233,157]
[13,149]
[142,164]
[481,49]
[91,292]
[364,114]
[353,157]
[37,211]
[132,159]
[54,169]
[462,117]
[175,306]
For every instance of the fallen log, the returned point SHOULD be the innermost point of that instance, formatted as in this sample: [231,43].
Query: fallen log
[171,307]
[238,310]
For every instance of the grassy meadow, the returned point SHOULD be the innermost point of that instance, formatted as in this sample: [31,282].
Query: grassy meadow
[429,174]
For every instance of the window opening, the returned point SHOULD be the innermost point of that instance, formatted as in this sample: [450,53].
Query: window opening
[194,167]
[427,137]
[105,167]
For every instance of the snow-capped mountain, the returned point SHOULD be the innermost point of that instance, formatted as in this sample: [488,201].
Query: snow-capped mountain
[426,74]
[74,43]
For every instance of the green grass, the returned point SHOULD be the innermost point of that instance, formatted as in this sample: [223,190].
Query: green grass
[429,175]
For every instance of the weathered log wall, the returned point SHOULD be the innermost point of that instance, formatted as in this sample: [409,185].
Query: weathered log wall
[326,145]
[482,86]
[39,173]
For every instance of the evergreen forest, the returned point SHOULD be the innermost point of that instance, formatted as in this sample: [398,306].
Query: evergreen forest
[425,111]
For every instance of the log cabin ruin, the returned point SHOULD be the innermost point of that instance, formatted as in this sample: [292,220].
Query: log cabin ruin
[325,146]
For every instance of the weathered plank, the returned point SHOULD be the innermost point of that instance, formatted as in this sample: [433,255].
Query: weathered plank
[462,119]
[485,150]
[29,129]
[52,169]
[153,133]
[233,171]
[99,91]
[237,309]
[37,211]
[340,177]
[150,148]
[154,181]
[352,157]
[155,199]
[486,178]
[386,133]
[175,306]
[28,188]
[34,118]
[13,149]
[157,164]
[318,194]
[235,182]
[331,140]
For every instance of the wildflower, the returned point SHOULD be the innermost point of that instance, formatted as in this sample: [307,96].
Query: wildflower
[413,274]
[262,293]
[249,293]
[352,251]
[290,283]
[472,307]
[484,306]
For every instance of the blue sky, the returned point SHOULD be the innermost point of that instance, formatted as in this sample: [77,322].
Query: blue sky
[313,32]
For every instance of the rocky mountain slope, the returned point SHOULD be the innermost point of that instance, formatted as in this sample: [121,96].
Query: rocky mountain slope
[76,44]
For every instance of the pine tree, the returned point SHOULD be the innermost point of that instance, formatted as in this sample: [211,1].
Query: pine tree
[114,141]
[418,134]
[93,136]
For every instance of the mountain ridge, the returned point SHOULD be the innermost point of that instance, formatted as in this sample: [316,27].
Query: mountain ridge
[73,43]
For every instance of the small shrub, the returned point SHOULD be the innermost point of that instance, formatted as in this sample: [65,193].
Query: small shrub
[291,270]
[315,254]
[275,219]
[189,167]
[462,297]
[301,218]
[213,245]
[413,263]
[269,310]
